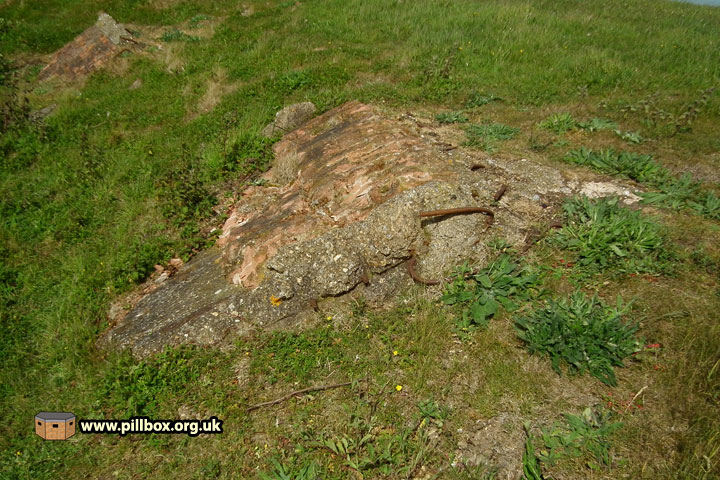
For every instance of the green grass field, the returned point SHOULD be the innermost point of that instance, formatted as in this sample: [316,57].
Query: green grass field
[118,180]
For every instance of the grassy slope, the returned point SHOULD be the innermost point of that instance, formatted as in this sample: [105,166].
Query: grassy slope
[83,203]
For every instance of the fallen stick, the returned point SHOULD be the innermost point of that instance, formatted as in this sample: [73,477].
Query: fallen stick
[296,393]
[634,398]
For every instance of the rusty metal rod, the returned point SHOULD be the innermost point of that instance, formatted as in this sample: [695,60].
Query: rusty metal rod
[457,211]
[500,193]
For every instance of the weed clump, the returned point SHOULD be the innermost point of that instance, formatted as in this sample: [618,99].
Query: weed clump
[581,332]
[559,123]
[186,197]
[478,100]
[248,154]
[451,117]
[501,284]
[22,138]
[635,166]
[484,136]
[609,238]
[595,124]
[665,123]
[175,35]
[675,193]
[588,433]
[140,388]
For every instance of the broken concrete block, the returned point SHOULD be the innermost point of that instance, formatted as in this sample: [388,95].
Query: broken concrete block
[90,50]
[340,214]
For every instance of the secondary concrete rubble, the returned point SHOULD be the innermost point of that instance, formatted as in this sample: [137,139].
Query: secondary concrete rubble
[289,118]
[90,50]
[339,213]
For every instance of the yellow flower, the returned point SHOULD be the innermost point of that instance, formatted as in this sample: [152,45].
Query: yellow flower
[395,353]
[275,301]
[329,318]
[398,387]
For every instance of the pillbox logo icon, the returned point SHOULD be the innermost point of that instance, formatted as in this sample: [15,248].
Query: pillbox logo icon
[55,425]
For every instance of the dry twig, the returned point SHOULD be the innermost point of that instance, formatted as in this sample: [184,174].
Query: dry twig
[634,398]
[296,393]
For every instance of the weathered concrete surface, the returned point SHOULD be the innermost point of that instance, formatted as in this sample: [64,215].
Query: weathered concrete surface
[498,441]
[339,215]
[334,170]
[90,50]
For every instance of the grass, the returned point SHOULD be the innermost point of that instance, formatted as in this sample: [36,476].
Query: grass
[118,180]
[582,333]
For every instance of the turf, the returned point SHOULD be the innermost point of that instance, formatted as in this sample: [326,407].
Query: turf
[118,180]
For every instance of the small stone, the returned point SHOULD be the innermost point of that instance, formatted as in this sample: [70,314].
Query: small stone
[247,10]
[136,84]
[43,113]
[289,118]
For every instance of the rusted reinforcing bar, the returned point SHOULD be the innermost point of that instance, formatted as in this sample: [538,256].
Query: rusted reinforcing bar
[458,211]
[500,192]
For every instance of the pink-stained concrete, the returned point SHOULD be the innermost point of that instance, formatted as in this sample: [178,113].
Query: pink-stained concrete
[340,165]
